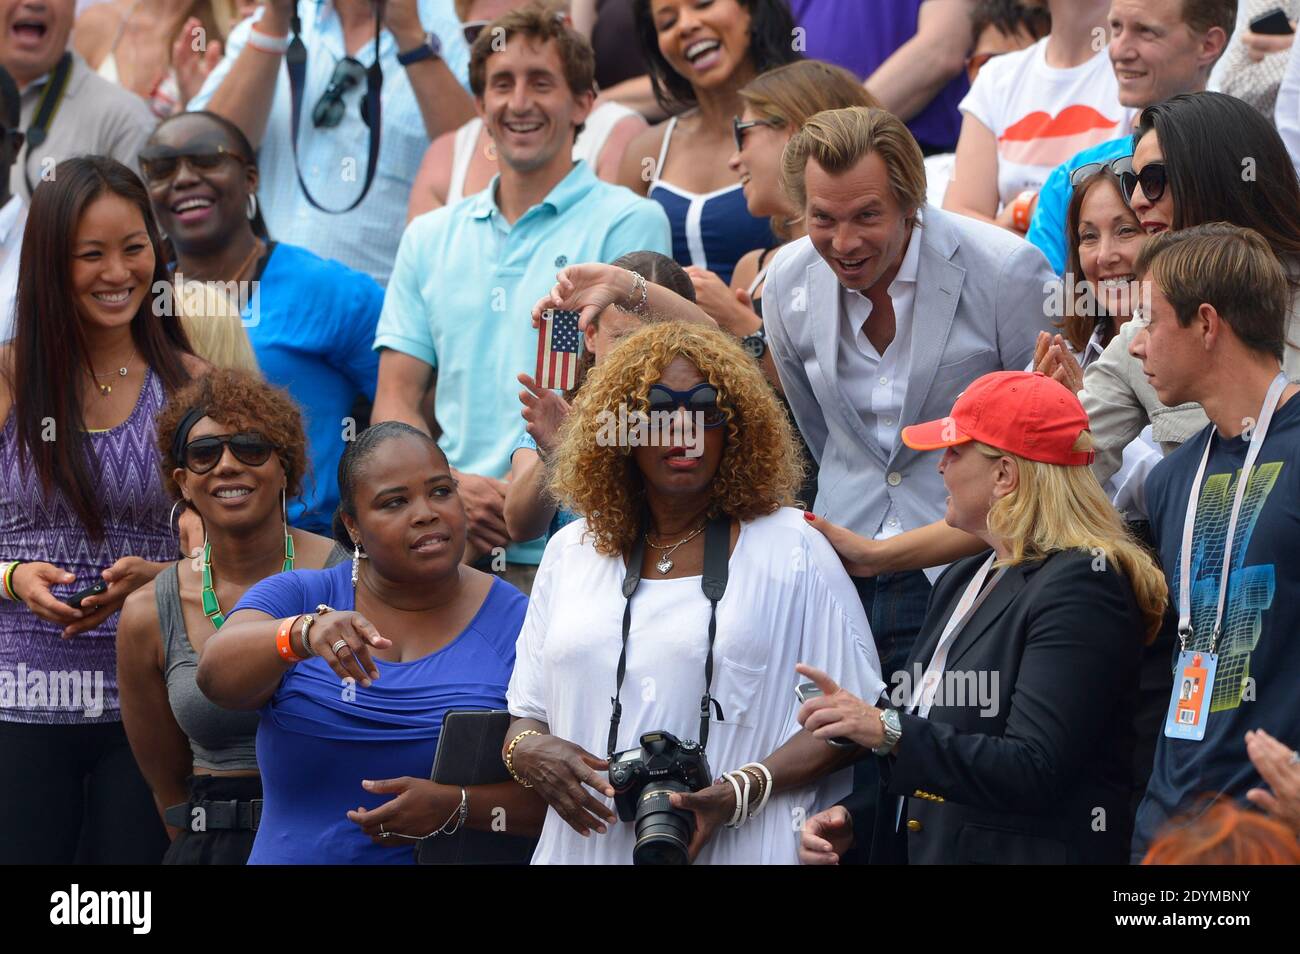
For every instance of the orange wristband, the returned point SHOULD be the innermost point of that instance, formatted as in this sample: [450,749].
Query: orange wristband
[282,644]
[1021,206]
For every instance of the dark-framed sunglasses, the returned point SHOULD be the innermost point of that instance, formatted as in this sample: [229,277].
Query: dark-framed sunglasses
[739,127]
[701,399]
[14,138]
[328,111]
[159,163]
[1089,169]
[1153,179]
[249,447]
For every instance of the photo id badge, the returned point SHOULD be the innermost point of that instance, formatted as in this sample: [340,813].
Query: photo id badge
[1189,704]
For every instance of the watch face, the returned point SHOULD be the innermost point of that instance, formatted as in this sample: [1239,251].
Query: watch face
[754,346]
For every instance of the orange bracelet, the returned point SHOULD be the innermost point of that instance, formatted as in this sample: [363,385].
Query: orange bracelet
[282,644]
[1021,209]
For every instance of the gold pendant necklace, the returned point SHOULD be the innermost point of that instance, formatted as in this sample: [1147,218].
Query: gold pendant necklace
[665,563]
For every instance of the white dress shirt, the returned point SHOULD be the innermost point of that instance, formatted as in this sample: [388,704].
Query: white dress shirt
[13,220]
[883,377]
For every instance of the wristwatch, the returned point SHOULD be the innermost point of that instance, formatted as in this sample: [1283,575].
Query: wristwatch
[755,344]
[430,49]
[893,727]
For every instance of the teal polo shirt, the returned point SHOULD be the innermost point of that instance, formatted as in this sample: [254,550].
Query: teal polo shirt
[461,295]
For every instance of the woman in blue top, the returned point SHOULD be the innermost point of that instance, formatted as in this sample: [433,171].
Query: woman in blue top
[311,321]
[350,717]
[700,53]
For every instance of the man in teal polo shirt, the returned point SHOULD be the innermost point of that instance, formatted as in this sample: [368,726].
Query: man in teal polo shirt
[467,275]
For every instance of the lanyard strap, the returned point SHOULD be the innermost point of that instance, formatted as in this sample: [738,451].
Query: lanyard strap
[1189,521]
[295,60]
[717,543]
[46,109]
[971,600]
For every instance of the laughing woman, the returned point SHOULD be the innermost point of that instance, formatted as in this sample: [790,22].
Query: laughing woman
[81,504]
[232,449]
[311,321]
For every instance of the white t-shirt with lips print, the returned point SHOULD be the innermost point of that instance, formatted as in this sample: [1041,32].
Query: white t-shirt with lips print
[788,600]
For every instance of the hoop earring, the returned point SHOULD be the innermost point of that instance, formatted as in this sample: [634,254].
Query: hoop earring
[174,526]
[252,206]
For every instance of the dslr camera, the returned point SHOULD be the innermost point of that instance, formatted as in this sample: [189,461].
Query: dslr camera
[643,779]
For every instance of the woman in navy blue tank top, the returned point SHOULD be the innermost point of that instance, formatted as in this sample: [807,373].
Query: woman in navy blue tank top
[700,53]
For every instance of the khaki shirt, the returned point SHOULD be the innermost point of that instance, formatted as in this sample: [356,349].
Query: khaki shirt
[95,117]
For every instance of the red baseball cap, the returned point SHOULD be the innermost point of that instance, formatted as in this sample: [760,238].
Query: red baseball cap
[1024,413]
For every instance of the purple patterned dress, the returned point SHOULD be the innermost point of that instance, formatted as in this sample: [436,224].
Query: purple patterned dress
[43,678]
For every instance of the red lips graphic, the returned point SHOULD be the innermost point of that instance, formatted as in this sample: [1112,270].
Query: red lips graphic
[1040,139]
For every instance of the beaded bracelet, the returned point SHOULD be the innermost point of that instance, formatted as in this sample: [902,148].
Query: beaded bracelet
[510,757]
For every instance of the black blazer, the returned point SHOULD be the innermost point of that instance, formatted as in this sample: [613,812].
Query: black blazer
[1045,776]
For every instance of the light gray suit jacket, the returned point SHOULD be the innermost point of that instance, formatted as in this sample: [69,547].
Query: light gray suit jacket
[981,299]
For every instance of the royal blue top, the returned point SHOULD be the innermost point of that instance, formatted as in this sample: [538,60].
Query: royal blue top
[319,737]
[311,324]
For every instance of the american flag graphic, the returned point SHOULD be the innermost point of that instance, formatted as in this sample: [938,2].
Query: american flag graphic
[558,345]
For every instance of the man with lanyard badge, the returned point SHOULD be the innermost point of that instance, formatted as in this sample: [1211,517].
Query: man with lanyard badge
[1225,512]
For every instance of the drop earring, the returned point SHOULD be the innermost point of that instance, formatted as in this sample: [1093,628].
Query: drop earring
[288,538]
[252,206]
[357,557]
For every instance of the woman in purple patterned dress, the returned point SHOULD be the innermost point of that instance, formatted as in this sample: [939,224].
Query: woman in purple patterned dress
[81,502]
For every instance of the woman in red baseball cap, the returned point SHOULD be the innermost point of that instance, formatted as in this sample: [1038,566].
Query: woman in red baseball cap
[1007,737]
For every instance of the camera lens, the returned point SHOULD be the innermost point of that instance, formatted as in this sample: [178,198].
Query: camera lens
[662,831]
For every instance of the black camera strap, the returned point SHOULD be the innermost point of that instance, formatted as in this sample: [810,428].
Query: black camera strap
[717,544]
[295,60]
[50,101]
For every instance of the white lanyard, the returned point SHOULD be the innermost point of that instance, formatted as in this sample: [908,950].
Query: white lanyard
[970,601]
[1189,522]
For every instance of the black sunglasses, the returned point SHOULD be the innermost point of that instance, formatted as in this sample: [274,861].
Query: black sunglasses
[159,163]
[701,399]
[249,447]
[1153,179]
[328,111]
[739,127]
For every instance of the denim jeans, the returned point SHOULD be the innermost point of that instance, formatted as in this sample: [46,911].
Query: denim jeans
[895,604]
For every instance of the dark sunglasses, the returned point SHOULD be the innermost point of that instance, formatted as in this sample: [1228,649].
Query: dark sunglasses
[159,163]
[739,128]
[329,109]
[1153,179]
[701,399]
[249,447]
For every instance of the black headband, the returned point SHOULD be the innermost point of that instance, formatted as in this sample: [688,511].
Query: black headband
[192,417]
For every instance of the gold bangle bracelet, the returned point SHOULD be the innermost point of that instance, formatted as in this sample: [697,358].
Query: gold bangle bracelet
[510,757]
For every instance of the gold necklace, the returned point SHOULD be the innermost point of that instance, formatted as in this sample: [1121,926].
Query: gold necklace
[665,563]
[106,389]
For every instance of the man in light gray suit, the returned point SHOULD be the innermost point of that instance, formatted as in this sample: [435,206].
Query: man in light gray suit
[878,319]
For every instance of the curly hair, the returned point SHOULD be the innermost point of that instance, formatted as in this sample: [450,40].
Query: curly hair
[243,402]
[760,468]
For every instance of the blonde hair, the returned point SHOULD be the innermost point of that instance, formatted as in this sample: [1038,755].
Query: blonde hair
[760,468]
[838,139]
[789,95]
[1058,507]
[215,327]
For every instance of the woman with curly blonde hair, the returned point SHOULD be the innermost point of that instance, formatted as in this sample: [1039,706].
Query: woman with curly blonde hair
[676,444]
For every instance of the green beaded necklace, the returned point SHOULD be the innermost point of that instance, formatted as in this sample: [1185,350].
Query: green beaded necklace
[211,608]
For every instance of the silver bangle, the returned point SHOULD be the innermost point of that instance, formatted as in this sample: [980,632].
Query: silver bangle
[308,619]
[638,284]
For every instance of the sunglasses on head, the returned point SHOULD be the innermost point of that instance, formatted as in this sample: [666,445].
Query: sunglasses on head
[976,63]
[159,163]
[739,127]
[1153,179]
[701,399]
[249,447]
[329,109]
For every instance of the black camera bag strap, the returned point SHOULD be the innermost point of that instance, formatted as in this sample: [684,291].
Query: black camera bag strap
[295,60]
[717,544]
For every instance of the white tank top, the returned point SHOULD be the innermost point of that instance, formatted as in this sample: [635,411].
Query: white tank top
[587,146]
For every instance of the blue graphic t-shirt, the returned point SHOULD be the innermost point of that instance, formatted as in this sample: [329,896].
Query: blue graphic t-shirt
[1258,681]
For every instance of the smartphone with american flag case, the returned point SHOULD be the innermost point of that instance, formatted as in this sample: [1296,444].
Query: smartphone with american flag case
[559,346]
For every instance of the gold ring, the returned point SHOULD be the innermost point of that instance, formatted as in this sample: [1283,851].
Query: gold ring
[335,648]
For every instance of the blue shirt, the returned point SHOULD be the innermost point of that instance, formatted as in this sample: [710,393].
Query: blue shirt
[318,737]
[333,161]
[311,324]
[464,285]
[1259,666]
[1047,229]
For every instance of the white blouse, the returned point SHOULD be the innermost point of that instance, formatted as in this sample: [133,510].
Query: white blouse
[788,600]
